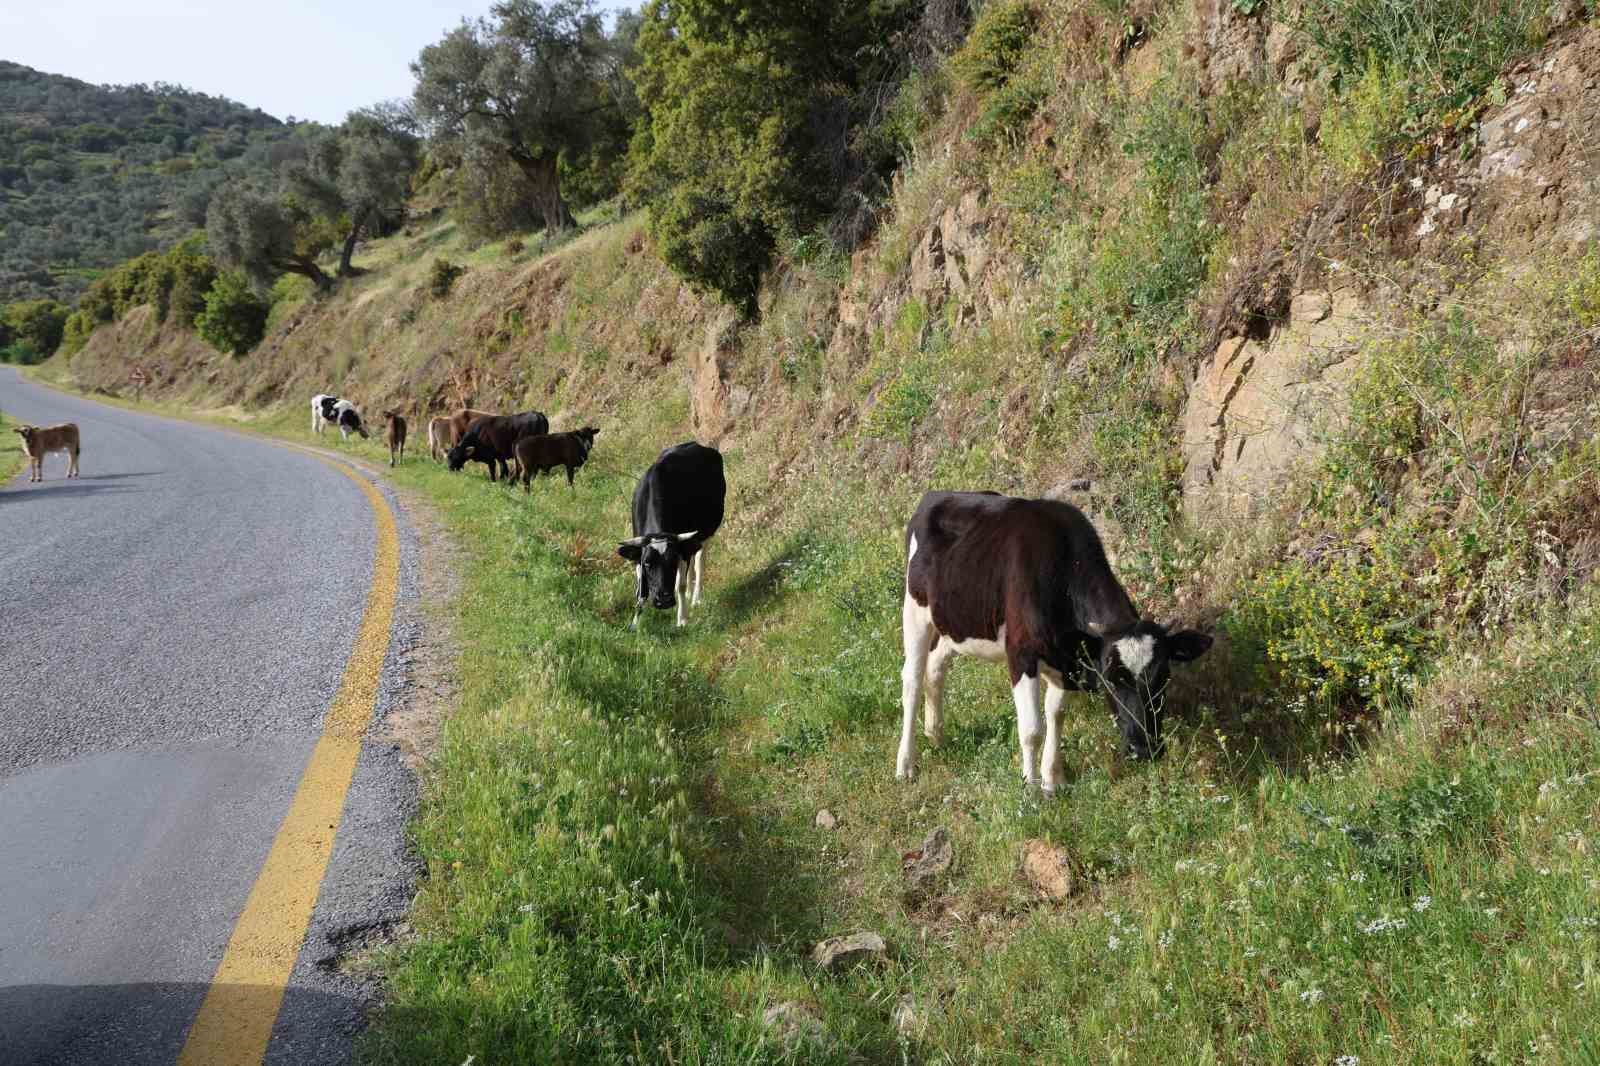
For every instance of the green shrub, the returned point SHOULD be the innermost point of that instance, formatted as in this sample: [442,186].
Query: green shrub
[1345,629]
[235,318]
[21,354]
[80,325]
[442,277]
[1452,49]
[1362,125]
[996,46]
[33,329]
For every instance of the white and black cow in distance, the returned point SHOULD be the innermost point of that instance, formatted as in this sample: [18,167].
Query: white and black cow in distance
[676,509]
[331,410]
[1027,583]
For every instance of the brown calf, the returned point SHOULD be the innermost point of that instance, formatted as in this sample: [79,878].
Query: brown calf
[39,441]
[446,432]
[397,435]
[535,455]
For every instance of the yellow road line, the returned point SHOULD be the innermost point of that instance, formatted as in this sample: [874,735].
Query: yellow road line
[236,1018]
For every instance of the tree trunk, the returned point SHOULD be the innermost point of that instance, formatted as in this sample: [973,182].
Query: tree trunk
[345,269]
[545,178]
[307,267]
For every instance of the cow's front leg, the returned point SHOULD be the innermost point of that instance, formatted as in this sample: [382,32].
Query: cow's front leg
[917,635]
[680,582]
[1030,730]
[1054,768]
[699,571]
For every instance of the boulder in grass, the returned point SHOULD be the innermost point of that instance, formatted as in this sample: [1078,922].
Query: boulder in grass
[924,866]
[1049,870]
[838,952]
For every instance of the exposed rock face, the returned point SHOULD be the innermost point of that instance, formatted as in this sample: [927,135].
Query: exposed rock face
[1534,180]
[1255,408]
[1231,45]
[951,257]
[714,404]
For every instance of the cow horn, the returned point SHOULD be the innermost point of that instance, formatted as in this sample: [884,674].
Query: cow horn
[637,542]
[688,536]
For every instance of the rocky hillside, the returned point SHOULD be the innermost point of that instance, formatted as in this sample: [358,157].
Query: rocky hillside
[1301,305]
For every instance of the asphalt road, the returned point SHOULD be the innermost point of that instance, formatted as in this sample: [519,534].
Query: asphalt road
[173,626]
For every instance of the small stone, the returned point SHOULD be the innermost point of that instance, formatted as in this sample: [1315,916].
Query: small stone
[923,866]
[837,952]
[1048,869]
[795,1024]
[826,820]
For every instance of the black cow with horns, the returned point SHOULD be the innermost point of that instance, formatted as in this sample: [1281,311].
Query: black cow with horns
[676,509]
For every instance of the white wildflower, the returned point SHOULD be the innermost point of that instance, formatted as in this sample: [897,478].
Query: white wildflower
[1347,1060]
[1358,877]
[1311,995]
[1113,942]
[1422,903]
[1383,924]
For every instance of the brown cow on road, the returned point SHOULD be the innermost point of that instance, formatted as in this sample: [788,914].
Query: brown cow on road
[396,435]
[39,441]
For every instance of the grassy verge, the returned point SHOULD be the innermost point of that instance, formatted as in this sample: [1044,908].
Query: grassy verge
[623,864]
[11,454]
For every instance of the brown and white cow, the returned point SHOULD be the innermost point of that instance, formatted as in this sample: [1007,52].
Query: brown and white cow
[39,441]
[1027,583]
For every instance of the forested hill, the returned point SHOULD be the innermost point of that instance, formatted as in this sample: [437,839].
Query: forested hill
[91,175]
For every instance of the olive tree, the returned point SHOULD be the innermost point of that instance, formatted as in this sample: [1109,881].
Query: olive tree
[356,177]
[265,236]
[528,82]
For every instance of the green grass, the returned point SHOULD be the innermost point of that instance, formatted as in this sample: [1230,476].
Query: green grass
[11,454]
[623,866]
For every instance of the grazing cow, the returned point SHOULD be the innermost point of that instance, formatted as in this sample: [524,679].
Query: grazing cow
[535,455]
[322,412]
[441,437]
[676,509]
[331,410]
[1027,583]
[492,440]
[396,435]
[349,420]
[40,441]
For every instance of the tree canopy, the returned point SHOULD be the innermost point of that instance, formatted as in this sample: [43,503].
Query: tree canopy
[749,112]
[532,83]
[339,186]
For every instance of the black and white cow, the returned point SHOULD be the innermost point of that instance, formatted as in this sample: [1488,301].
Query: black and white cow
[676,509]
[331,410]
[1027,583]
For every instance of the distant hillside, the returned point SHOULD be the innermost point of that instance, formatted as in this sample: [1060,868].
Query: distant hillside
[91,175]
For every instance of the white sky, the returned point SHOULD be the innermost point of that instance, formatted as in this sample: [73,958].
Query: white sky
[287,57]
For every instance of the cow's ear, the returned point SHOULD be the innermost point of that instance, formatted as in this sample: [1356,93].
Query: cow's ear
[1187,646]
[630,551]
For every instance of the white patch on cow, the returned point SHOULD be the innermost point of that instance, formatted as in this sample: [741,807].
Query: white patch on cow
[1136,653]
[911,552]
[992,651]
